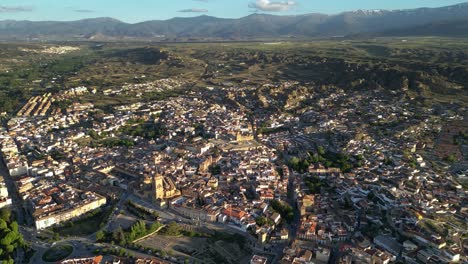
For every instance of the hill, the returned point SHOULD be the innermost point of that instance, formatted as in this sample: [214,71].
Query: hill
[457,28]
[424,21]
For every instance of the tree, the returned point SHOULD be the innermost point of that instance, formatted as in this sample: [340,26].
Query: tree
[5,214]
[314,184]
[297,164]
[10,237]
[10,249]
[294,162]
[100,235]
[7,261]
[215,169]
[261,220]
[321,151]
[137,230]
[450,158]
[3,225]
[284,209]
[172,229]
[191,233]
[154,226]
[14,226]
[118,236]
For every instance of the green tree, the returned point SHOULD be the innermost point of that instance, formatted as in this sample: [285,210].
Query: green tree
[155,226]
[284,209]
[261,220]
[294,162]
[321,151]
[450,158]
[3,225]
[100,235]
[5,214]
[14,226]
[172,229]
[118,236]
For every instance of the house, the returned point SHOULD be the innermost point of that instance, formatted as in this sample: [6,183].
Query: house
[275,218]
[258,260]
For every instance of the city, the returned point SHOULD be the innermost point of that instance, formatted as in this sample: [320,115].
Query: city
[293,152]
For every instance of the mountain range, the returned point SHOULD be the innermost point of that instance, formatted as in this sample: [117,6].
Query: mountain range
[443,21]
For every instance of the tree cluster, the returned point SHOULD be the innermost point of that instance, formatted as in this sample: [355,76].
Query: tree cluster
[314,184]
[10,237]
[124,237]
[327,158]
[261,221]
[284,209]
[141,212]
[172,229]
[146,130]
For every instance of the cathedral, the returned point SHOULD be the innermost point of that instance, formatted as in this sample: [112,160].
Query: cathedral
[157,188]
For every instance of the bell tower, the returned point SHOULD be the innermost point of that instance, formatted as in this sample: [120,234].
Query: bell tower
[158,184]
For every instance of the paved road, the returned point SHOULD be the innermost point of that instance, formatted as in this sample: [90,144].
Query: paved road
[115,213]
[82,246]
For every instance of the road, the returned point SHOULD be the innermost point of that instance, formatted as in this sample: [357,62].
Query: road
[115,212]
[169,215]
[82,246]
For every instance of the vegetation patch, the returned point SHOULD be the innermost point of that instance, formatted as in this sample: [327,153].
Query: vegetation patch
[136,231]
[57,253]
[86,225]
[10,237]
[284,209]
[330,159]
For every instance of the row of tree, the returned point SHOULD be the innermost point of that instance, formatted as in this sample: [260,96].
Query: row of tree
[123,237]
[141,212]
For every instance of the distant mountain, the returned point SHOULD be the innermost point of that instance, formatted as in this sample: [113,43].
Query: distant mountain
[457,28]
[422,21]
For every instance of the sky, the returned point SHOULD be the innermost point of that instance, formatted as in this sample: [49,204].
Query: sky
[133,11]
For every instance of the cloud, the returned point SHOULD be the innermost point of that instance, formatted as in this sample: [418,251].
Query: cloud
[15,9]
[270,6]
[84,10]
[194,10]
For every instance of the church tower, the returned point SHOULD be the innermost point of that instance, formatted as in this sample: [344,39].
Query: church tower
[158,184]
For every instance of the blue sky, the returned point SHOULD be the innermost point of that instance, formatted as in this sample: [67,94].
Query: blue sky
[140,10]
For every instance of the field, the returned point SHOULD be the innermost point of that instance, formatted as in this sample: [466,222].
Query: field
[436,69]
[214,250]
[447,145]
[57,253]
